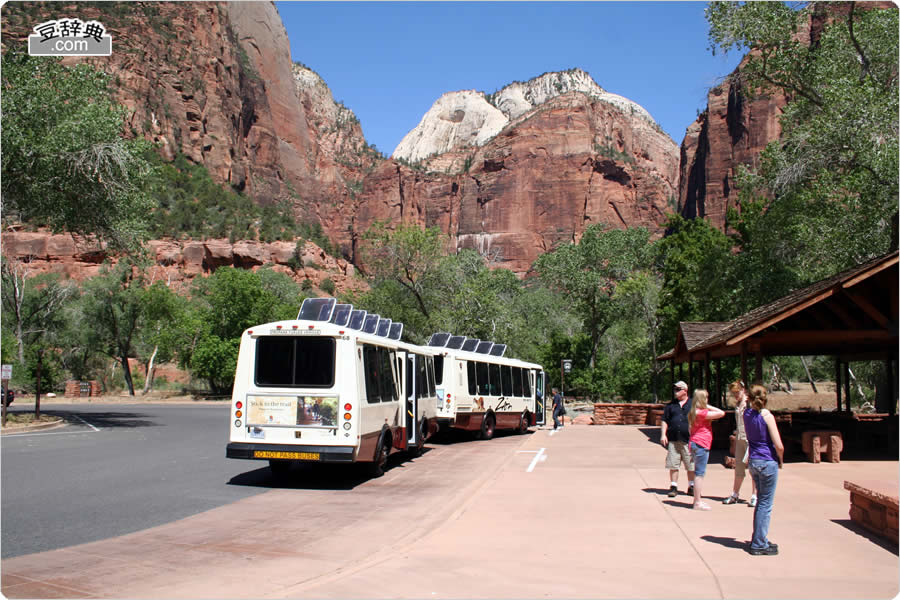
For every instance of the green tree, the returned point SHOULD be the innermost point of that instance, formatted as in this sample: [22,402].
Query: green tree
[113,306]
[824,196]
[589,272]
[695,260]
[408,256]
[64,161]
[227,303]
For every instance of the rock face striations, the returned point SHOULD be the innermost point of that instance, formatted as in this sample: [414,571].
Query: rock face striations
[517,172]
[510,173]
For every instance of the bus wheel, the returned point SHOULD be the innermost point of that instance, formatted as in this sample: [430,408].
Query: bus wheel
[523,423]
[416,450]
[487,427]
[377,468]
[280,468]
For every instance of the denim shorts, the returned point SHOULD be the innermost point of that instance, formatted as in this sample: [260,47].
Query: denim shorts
[701,457]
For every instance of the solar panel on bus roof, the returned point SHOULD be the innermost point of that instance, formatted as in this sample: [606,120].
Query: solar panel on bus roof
[456,341]
[384,327]
[439,340]
[341,314]
[484,347]
[470,344]
[357,317]
[396,331]
[371,323]
[316,309]
[498,349]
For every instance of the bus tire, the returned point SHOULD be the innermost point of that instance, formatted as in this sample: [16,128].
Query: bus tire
[416,450]
[487,426]
[524,421]
[381,455]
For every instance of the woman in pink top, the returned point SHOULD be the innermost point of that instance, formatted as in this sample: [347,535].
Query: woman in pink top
[700,419]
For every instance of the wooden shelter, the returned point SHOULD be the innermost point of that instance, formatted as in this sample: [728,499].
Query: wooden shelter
[852,316]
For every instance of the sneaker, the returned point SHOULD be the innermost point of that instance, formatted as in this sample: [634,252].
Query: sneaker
[752,502]
[732,499]
[772,550]
[690,490]
[673,491]
[702,506]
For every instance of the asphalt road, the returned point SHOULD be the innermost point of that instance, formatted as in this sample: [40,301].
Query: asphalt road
[115,469]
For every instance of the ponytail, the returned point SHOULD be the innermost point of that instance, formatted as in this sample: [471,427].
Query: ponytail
[758,397]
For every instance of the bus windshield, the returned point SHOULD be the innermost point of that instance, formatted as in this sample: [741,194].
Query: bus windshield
[293,361]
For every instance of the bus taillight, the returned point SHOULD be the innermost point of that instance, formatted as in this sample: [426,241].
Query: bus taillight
[346,416]
[348,406]
[239,404]
[238,413]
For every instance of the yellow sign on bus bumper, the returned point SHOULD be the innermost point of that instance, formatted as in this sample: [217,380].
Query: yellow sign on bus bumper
[286,455]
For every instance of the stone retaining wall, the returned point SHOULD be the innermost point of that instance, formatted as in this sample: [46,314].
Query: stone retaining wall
[627,414]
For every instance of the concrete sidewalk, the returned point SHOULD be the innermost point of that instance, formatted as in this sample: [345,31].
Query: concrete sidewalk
[578,513]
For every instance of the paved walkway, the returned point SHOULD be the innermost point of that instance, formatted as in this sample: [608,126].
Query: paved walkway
[591,520]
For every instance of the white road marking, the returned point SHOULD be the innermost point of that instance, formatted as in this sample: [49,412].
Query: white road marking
[539,457]
[86,423]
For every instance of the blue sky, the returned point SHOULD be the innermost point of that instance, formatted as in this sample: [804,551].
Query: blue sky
[390,61]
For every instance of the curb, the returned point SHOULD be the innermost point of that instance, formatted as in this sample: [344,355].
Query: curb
[12,430]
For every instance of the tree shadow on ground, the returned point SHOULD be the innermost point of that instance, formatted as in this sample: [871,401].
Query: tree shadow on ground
[103,420]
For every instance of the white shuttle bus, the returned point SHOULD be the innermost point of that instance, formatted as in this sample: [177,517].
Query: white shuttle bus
[336,385]
[480,390]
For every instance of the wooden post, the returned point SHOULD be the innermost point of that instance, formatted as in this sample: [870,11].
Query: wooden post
[707,375]
[744,366]
[690,379]
[719,383]
[847,386]
[837,381]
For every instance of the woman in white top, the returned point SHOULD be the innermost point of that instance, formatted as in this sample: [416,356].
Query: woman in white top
[740,446]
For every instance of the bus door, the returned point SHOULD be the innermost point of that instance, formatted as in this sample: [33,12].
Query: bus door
[539,394]
[411,394]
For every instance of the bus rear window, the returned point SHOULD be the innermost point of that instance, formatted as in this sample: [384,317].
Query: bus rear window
[295,362]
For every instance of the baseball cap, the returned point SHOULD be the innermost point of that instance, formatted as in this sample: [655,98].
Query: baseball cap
[680,385]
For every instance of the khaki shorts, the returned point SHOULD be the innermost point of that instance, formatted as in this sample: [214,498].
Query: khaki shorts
[679,452]
[740,452]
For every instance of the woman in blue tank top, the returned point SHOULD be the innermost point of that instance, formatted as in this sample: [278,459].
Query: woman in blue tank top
[766,456]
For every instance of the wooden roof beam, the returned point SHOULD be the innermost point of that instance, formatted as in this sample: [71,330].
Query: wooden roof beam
[868,308]
[841,313]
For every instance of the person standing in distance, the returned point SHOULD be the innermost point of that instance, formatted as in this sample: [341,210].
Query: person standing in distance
[559,408]
[700,418]
[675,437]
[739,394]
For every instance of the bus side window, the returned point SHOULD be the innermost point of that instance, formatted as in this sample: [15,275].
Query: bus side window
[387,384]
[429,371]
[470,373]
[495,379]
[517,381]
[506,376]
[438,370]
[371,366]
[481,372]
[421,378]
[526,382]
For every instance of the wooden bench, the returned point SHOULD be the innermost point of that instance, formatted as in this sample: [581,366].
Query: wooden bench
[873,506]
[817,443]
